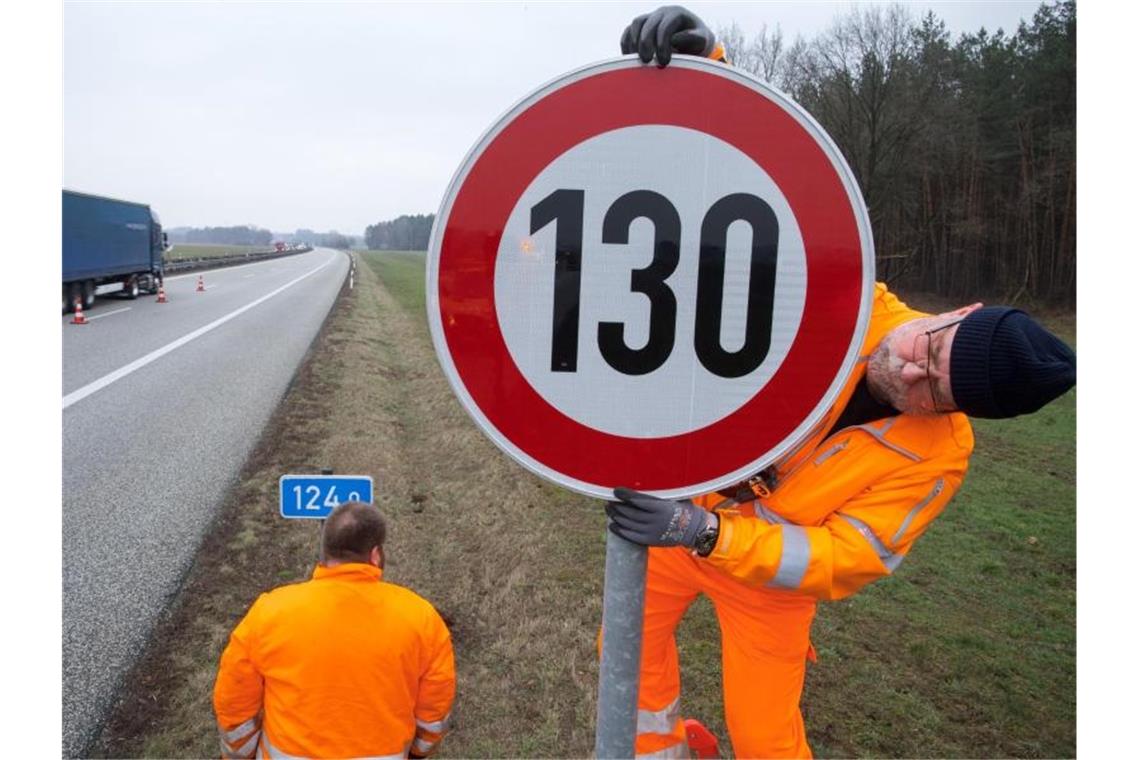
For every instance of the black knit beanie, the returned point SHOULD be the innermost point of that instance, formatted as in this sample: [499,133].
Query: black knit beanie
[1002,364]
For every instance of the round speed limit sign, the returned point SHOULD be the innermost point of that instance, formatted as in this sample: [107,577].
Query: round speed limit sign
[652,278]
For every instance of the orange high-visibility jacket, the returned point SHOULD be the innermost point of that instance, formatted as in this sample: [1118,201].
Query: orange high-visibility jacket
[846,509]
[343,665]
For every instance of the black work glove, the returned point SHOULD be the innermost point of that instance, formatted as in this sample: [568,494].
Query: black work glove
[650,521]
[667,30]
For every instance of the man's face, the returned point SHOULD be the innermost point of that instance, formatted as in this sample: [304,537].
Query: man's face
[910,368]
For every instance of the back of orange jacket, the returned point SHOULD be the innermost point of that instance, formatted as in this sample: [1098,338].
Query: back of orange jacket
[343,665]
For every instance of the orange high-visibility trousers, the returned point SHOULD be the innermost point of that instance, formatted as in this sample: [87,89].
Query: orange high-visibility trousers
[764,648]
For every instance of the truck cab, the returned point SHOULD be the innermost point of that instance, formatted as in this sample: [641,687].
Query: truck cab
[109,245]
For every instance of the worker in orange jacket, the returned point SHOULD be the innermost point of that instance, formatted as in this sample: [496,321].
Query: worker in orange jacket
[840,511]
[342,665]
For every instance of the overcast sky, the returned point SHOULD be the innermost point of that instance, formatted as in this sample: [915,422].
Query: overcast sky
[338,115]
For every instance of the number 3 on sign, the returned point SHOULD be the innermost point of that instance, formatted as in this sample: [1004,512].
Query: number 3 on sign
[564,208]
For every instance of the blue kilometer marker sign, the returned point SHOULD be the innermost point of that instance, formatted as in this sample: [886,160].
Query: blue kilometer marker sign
[315,496]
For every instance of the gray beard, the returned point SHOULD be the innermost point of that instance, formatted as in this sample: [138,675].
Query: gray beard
[883,376]
[884,380]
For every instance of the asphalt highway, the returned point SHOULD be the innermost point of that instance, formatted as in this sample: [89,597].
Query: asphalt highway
[162,403]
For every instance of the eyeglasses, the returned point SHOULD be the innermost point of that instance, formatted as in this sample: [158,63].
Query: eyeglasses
[928,351]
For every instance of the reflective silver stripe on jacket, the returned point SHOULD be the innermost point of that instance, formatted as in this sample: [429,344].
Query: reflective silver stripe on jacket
[917,508]
[245,750]
[830,452]
[881,435]
[762,511]
[661,721]
[435,726]
[889,559]
[422,746]
[241,731]
[793,558]
[782,461]
[680,750]
[277,754]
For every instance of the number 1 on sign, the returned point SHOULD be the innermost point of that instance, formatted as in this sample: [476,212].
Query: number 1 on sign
[565,207]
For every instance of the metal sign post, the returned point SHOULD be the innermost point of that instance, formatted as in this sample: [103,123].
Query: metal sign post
[623,610]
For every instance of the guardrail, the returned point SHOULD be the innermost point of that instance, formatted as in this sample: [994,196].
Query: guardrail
[215,262]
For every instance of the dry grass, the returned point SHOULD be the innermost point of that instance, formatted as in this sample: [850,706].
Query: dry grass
[969,651]
[204,250]
[514,564]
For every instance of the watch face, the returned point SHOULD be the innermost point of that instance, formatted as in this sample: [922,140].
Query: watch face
[706,540]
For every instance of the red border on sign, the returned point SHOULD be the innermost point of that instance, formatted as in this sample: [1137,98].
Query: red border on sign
[611,100]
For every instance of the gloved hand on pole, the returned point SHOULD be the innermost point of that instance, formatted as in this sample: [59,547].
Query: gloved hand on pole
[667,30]
[650,521]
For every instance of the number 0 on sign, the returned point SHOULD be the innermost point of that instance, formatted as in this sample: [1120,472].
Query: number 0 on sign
[652,278]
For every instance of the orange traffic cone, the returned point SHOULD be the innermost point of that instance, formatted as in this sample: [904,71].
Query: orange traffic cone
[78,319]
[201,285]
[702,742]
[161,294]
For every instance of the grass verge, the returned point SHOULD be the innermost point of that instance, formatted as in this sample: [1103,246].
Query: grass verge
[195,251]
[969,651]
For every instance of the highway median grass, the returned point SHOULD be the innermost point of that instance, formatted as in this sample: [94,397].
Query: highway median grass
[188,251]
[968,651]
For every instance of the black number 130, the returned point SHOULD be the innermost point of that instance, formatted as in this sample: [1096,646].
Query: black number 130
[565,209]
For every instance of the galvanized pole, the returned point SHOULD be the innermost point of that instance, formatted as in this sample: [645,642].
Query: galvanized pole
[623,609]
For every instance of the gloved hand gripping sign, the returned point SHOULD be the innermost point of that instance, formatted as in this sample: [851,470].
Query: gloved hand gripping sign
[654,278]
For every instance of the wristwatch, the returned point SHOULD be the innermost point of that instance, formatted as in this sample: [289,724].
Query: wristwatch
[707,536]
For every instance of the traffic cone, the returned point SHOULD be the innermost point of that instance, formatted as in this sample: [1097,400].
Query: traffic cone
[702,742]
[201,285]
[161,294]
[79,319]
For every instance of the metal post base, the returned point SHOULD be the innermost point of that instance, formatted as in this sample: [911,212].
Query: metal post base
[623,610]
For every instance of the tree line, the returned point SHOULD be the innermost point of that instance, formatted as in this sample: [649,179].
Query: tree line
[238,235]
[249,235]
[965,150]
[332,239]
[404,233]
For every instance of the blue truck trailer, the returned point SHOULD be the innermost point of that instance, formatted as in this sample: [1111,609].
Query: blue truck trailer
[109,245]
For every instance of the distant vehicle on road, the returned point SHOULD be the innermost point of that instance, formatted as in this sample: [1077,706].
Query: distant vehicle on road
[279,246]
[109,245]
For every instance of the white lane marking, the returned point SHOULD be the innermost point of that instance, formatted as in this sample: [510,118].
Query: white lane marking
[121,372]
[209,271]
[109,313]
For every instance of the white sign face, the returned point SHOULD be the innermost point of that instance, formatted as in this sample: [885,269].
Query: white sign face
[644,157]
[621,295]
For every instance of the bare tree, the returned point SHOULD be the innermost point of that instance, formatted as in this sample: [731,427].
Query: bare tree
[762,56]
[864,67]
[965,152]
